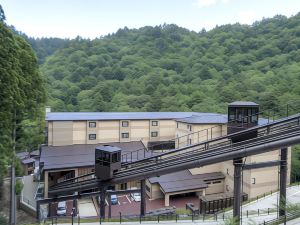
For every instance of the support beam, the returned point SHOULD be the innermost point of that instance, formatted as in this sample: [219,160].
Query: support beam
[261,165]
[12,215]
[283,178]
[102,203]
[238,163]
[109,205]
[143,198]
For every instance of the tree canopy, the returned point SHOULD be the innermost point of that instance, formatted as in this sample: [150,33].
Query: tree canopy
[169,68]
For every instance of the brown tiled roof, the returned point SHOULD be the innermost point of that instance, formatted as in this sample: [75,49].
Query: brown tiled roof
[184,180]
[73,156]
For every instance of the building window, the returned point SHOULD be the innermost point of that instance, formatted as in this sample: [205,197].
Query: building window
[154,123]
[125,135]
[253,180]
[92,136]
[92,124]
[227,171]
[189,127]
[154,134]
[177,125]
[190,141]
[125,123]
[124,186]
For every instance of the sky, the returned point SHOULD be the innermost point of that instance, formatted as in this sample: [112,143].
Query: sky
[95,18]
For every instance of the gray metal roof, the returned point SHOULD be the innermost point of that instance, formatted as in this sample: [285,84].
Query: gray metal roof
[73,156]
[242,103]
[210,118]
[108,148]
[184,180]
[65,116]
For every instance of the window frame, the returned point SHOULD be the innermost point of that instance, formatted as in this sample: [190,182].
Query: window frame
[92,122]
[154,123]
[253,180]
[125,135]
[125,122]
[154,132]
[92,139]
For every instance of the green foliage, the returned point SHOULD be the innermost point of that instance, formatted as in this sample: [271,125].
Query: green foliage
[3,220]
[168,68]
[22,97]
[295,173]
[231,221]
[19,187]
[2,15]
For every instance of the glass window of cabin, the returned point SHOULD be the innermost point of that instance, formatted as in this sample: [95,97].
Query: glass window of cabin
[154,123]
[92,136]
[115,157]
[239,114]
[254,117]
[231,113]
[125,123]
[92,124]
[106,157]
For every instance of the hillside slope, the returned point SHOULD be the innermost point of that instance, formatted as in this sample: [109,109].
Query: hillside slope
[168,68]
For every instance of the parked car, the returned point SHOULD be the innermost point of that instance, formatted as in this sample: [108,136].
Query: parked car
[136,196]
[114,199]
[61,209]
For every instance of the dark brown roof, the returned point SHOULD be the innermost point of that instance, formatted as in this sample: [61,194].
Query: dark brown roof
[184,180]
[73,156]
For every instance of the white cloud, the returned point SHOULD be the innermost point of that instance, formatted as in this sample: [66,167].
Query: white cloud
[206,3]
[225,1]
[247,16]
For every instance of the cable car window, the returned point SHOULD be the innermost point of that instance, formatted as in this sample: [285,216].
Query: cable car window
[115,157]
[119,156]
[239,113]
[255,115]
[231,113]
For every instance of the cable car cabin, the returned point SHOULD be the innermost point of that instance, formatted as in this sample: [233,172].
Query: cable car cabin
[241,116]
[107,161]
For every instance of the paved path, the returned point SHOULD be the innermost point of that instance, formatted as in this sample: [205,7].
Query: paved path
[86,207]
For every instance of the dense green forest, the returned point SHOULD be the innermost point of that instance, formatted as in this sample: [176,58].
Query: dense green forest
[169,68]
[22,97]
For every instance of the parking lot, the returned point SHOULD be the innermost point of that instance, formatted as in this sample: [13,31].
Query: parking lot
[127,206]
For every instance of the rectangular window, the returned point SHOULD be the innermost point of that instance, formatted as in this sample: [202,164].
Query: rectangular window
[154,123]
[125,123]
[92,136]
[154,134]
[189,127]
[125,135]
[177,124]
[228,171]
[92,124]
[253,180]
[190,141]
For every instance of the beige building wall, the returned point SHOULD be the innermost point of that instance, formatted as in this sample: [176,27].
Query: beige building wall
[140,130]
[79,132]
[62,133]
[108,131]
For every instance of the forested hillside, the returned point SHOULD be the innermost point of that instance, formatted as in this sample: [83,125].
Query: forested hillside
[22,97]
[168,68]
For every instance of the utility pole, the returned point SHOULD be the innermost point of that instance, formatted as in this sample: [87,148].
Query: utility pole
[12,214]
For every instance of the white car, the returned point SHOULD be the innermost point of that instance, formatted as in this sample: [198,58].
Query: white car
[136,197]
[61,209]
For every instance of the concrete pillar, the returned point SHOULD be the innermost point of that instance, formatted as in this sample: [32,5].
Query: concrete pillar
[237,188]
[283,180]
[143,197]
[102,203]
[46,184]
[167,200]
